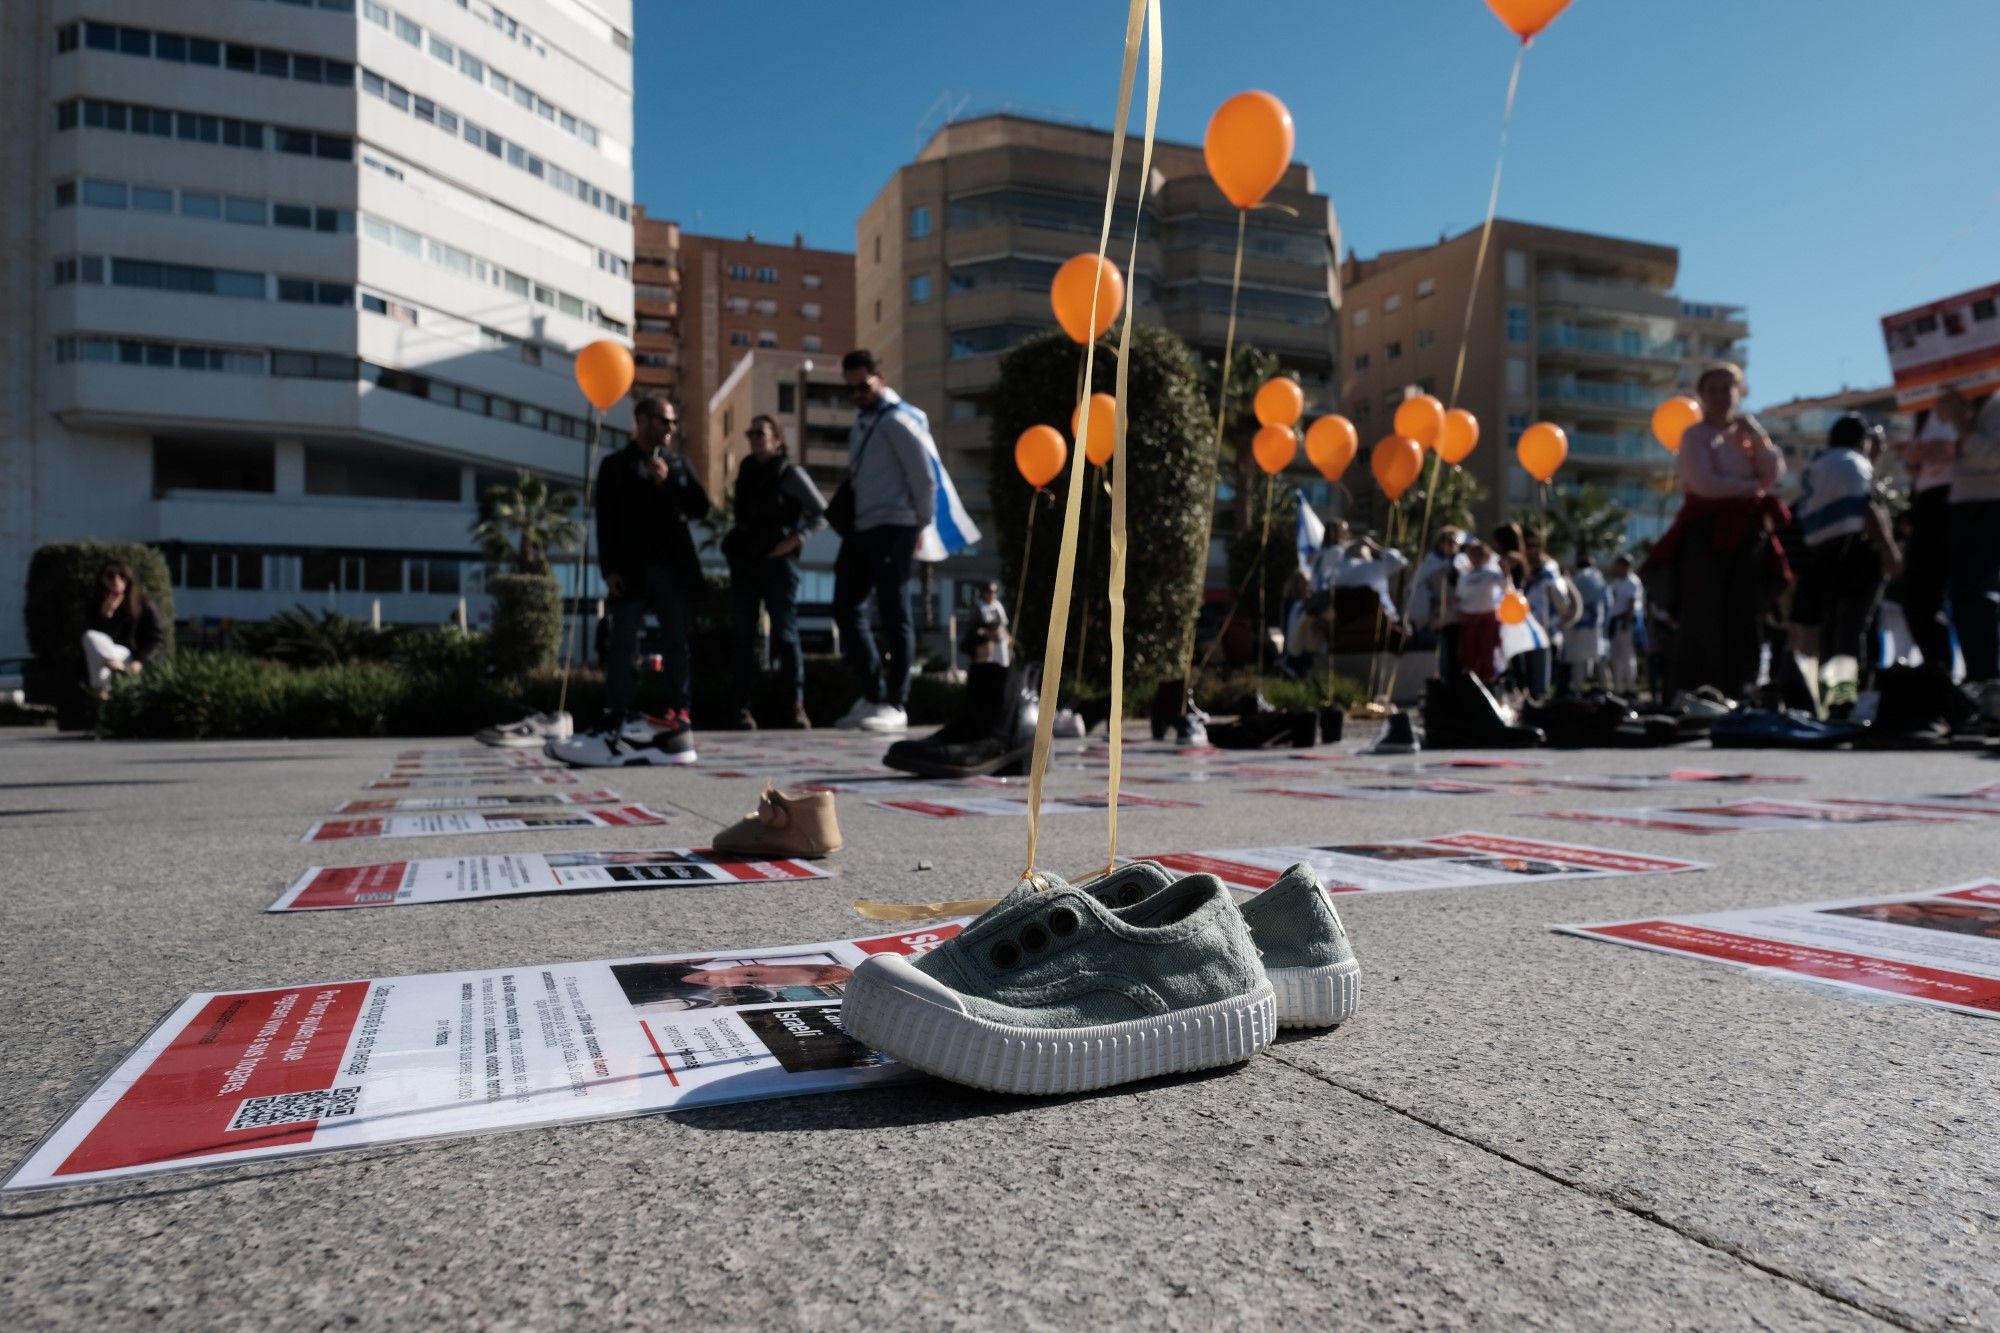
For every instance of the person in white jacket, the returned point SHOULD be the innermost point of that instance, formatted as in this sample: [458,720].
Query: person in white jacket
[1625,608]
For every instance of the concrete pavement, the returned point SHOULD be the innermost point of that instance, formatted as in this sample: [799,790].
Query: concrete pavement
[1519,1129]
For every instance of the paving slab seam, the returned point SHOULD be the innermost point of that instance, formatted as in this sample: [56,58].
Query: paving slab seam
[1887,1314]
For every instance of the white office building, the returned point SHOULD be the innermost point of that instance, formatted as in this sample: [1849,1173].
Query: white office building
[289,282]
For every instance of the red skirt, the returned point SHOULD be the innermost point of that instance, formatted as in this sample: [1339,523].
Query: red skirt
[1479,644]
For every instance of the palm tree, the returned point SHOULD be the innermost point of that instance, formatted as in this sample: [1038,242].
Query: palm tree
[525,521]
[1458,491]
[1585,521]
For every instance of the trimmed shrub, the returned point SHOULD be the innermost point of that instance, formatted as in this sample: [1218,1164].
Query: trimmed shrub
[62,583]
[298,638]
[527,622]
[1171,474]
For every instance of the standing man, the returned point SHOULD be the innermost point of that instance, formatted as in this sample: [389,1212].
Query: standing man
[894,495]
[1849,552]
[777,508]
[1625,606]
[646,495]
[1972,529]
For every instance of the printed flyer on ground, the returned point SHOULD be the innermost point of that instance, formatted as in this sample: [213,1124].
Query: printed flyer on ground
[1764,816]
[525,778]
[495,801]
[961,807]
[441,826]
[242,1075]
[1381,791]
[1647,781]
[1420,863]
[465,878]
[1940,948]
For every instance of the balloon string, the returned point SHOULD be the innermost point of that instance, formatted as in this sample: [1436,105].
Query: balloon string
[1391,530]
[1052,657]
[1264,584]
[582,556]
[1089,556]
[1116,590]
[1027,550]
[1221,416]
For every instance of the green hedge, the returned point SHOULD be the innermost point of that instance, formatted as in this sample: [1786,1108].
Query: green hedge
[62,583]
[213,695]
[527,622]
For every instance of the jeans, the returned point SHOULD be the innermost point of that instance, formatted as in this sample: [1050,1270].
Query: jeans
[774,584]
[877,561]
[1974,531]
[663,595]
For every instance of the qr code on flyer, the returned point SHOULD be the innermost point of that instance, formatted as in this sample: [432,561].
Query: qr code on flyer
[291,1108]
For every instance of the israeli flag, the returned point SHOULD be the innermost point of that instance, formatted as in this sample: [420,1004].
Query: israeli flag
[952,529]
[1312,533]
[1522,638]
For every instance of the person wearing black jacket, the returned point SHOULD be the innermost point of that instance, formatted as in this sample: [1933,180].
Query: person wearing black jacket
[121,629]
[646,496]
[777,508]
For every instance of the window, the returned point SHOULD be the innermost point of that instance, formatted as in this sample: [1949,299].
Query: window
[1517,323]
[375,13]
[443,50]
[767,274]
[739,272]
[920,288]
[811,342]
[104,194]
[920,223]
[1393,351]
[251,212]
[1361,318]
[878,249]
[200,205]
[767,307]
[1982,310]
[739,305]
[811,282]
[1391,304]
[65,193]
[766,338]
[739,339]
[1517,425]
[1517,376]
[1361,361]
[1425,338]
[409,31]
[1426,288]
[810,310]
[1516,265]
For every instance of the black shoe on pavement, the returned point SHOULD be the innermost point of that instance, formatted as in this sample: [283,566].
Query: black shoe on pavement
[1460,713]
[993,732]
[1297,729]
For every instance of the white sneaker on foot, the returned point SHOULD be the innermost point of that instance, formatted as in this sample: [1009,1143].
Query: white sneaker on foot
[530,731]
[886,718]
[851,719]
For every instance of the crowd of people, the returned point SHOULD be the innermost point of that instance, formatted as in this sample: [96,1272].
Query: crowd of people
[1742,598]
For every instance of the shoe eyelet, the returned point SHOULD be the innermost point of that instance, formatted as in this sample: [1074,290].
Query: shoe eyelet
[1006,954]
[1130,895]
[1063,922]
[1034,939]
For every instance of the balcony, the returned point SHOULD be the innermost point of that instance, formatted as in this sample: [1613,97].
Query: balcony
[1601,394]
[1625,298]
[1624,445]
[1622,344]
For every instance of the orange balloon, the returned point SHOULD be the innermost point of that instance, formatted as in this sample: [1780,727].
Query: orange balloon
[1280,402]
[604,372]
[1542,449]
[1460,434]
[1040,454]
[1527,17]
[1103,427]
[1396,462]
[1513,608]
[1275,448]
[1671,420]
[1071,293]
[1421,419]
[1331,445]
[1248,146]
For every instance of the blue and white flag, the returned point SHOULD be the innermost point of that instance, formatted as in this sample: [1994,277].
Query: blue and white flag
[1522,638]
[1312,533]
[952,530]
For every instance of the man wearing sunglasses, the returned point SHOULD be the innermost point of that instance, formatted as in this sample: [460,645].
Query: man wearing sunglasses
[646,496]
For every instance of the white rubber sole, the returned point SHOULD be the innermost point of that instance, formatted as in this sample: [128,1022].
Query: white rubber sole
[519,742]
[1316,997]
[892,1007]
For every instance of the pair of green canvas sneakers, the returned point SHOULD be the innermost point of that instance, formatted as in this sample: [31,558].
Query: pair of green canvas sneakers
[1063,988]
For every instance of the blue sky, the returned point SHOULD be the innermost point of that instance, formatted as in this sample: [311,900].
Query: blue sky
[1822,162]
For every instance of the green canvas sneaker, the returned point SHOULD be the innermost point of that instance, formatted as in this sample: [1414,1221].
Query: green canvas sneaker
[1053,992]
[1305,950]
